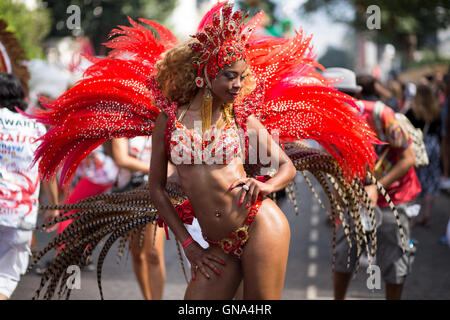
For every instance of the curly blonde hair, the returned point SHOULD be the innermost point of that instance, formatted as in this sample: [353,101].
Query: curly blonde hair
[175,74]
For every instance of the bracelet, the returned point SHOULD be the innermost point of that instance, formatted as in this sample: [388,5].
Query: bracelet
[187,242]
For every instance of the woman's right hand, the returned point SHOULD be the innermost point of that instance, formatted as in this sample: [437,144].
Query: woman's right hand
[200,259]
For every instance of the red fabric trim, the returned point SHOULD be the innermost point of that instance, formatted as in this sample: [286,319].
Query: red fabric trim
[185,212]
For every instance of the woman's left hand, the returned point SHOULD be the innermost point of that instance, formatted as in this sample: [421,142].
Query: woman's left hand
[255,188]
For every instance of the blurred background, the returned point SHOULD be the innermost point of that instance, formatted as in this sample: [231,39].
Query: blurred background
[403,44]
[413,37]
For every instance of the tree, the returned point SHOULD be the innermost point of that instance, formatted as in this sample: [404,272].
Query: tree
[335,57]
[99,17]
[30,27]
[254,6]
[407,24]
[274,26]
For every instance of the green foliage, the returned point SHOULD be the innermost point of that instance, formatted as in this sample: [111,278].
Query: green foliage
[99,17]
[429,58]
[274,26]
[254,6]
[29,26]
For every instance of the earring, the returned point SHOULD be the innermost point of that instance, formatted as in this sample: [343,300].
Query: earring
[206,112]
[199,82]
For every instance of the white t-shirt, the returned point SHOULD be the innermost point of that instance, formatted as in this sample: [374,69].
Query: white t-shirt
[98,167]
[139,148]
[19,183]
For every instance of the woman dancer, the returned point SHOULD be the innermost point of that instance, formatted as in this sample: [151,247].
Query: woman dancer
[226,202]
[248,88]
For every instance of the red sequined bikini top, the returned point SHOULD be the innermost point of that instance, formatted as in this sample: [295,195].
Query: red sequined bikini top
[216,146]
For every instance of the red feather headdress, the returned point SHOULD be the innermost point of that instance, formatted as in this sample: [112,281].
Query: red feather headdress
[221,41]
[113,100]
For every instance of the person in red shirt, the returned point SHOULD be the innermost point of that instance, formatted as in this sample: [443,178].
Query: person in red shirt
[395,171]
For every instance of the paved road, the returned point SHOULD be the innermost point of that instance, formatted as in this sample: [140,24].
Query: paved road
[309,273]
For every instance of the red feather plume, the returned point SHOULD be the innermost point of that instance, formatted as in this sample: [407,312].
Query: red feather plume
[111,101]
[301,104]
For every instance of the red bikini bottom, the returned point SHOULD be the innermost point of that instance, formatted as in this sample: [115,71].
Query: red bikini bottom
[236,240]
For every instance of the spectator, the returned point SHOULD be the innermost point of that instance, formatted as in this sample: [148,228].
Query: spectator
[396,174]
[373,90]
[96,175]
[133,158]
[409,94]
[396,88]
[445,127]
[425,114]
[19,185]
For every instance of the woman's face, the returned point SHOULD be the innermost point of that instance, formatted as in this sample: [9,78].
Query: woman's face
[229,81]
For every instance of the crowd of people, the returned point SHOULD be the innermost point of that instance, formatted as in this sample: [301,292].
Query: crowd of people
[425,103]
[246,235]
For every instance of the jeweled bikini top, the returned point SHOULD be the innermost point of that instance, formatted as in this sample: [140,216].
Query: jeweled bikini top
[215,146]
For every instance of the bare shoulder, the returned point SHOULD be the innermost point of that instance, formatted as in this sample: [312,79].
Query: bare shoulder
[162,119]
[253,124]
[160,125]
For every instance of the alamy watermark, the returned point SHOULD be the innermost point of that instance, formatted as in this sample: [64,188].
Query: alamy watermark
[374,280]
[374,19]
[74,280]
[73,22]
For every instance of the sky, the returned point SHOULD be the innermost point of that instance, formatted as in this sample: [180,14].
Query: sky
[325,32]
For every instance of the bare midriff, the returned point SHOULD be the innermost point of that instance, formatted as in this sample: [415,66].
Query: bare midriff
[215,206]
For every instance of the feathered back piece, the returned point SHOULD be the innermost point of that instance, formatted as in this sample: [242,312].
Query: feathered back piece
[111,101]
[301,104]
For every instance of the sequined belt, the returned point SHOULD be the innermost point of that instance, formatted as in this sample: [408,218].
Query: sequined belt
[238,238]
